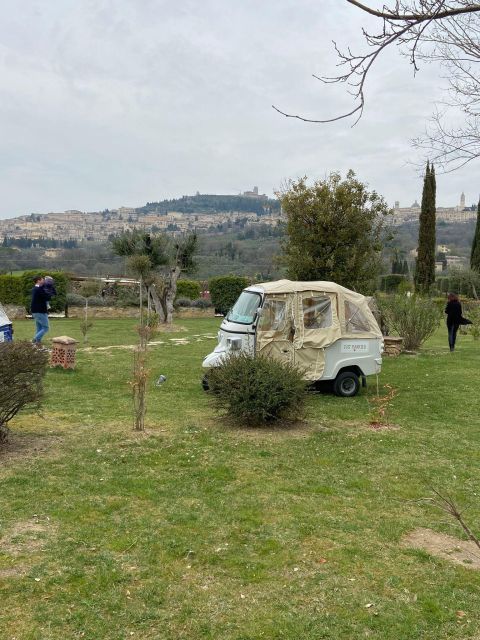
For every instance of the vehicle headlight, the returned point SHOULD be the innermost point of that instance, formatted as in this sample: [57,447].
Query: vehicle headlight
[234,344]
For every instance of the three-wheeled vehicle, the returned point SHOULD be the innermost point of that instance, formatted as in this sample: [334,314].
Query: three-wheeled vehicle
[326,330]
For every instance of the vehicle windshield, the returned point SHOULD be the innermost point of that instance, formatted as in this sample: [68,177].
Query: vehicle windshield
[245,308]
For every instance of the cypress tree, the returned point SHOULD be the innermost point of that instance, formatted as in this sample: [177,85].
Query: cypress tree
[405,268]
[475,255]
[425,266]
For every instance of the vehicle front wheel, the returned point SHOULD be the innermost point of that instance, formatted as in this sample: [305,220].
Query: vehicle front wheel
[347,384]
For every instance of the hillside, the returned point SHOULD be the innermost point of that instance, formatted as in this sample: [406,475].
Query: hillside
[205,203]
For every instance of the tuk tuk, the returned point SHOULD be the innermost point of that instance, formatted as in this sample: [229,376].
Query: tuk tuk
[326,330]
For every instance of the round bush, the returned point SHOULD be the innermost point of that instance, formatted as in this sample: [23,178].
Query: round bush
[414,318]
[76,300]
[224,291]
[22,369]
[201,303]
[183,302]
[257,391]
[188,289]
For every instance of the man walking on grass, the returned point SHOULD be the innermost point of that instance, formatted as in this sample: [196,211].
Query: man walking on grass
[39,309]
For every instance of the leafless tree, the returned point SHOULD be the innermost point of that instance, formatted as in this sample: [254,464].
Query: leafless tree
[440,31]
[446,503]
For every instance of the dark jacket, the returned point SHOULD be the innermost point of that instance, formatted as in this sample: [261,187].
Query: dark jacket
[454,313]
[39,300]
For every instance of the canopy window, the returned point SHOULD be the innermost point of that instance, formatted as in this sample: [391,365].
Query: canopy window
[274,316]
[355,319]
[317,312]
[275,329]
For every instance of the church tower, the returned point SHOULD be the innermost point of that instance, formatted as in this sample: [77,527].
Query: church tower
[462,202]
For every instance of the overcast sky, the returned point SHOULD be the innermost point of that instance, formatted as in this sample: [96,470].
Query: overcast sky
[108,103]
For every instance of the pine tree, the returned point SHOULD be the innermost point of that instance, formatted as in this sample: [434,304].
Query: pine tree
[475,255]
[425,266]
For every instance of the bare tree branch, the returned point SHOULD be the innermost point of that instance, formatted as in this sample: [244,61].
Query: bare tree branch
[446,32]
[419,17]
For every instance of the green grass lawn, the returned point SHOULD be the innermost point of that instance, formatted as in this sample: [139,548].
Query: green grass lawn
[196,530]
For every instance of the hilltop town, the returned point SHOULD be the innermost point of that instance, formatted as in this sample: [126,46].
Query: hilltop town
[199,213]
[459,213]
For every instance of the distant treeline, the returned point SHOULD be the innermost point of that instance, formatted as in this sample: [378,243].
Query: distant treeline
[203,203]
[44,243]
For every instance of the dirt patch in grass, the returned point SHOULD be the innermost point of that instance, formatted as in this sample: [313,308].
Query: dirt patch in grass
[26,445]
[282,429]
[26,537]
[13,572]
[462,552]
[382,426]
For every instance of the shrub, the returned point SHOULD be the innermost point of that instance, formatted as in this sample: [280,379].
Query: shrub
[183,302]
[414,318]
[188,289]
[257,390]
[472,312]
[201,303]
[128,297]
[224,291]
[96,301]
[85,326]
[22,369]
[76,300]
[89,288]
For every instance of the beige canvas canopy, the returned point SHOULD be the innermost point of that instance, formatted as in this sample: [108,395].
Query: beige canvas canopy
[300,319]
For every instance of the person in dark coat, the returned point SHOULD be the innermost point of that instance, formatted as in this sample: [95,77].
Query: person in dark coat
[454,318]
[39,309]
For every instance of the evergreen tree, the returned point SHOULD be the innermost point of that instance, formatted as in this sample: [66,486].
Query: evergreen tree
[475,255]
[334,231]
[425,266]
[405,268]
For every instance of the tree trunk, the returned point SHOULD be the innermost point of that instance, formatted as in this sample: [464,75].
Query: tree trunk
[170,292]
[157,303]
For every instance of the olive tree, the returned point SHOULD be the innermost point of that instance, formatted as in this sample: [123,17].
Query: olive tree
[158,260]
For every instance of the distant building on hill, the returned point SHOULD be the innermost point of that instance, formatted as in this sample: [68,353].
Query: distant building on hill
[255,194]
[459,213]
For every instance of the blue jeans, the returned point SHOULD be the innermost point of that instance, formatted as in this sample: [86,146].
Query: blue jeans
[41,326]
[452,335]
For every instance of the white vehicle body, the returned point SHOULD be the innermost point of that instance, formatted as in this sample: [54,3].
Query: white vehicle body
[321,327]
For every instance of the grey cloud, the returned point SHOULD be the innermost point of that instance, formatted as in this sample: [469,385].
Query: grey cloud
[116,102]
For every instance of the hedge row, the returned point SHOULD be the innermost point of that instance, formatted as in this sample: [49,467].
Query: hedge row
[18,289]
[11,290]
[224,290]
[188,289]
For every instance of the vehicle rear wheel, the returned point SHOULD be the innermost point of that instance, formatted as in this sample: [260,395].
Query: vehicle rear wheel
[347,384]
